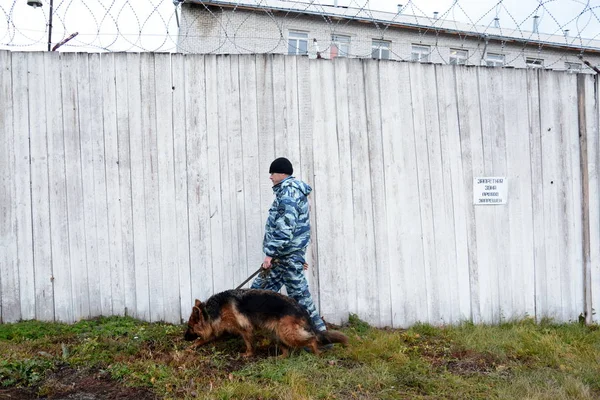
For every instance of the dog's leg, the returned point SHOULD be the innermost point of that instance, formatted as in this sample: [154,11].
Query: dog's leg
[248,339]
[314,347]
[197,343]
[285,352]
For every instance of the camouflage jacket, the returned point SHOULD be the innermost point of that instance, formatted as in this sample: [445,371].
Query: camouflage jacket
[287,231]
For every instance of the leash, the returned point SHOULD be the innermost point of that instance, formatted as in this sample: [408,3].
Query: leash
[260,270]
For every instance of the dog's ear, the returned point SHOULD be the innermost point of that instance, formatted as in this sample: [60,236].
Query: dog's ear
[198,304]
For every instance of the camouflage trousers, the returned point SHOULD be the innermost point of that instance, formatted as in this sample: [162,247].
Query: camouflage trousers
[290,273]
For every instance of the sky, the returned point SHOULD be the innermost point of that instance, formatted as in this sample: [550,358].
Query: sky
[151,25]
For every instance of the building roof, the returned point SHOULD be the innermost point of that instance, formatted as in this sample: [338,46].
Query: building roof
[385,20]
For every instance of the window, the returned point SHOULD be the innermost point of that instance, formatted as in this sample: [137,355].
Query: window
[340,46]
[573,68]
[297,43]
[420,53]
[494,60]
[534,63]
[458,57]
[380,50]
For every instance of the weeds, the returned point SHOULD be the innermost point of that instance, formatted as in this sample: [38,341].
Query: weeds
[519,359]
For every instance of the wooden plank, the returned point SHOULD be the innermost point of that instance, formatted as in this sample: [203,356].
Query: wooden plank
[151,185]
[251,163]
[280,116]
[537,194]
[403,211]
[346,221]
[472,165]
[457,199]
[593,129]
[327,187]
[236,176]
[389,275]
[520,251]
[306,167]
[553,190]
[166,189]
[288,145]
[224,86]
[221,275]
[40,196]
[584,139]
[361,284]
[494,270]
[101,276]
[201,189]
[140,235]
[123,280]
[266,129]
[70,70]
[10,307]
[88,64]
[57,181]
[126,278]
[116,292]
[573,269]
[180,117]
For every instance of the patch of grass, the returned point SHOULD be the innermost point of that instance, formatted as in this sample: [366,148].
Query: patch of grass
[516,359]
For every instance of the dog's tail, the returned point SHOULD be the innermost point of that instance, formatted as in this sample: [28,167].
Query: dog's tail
[330,337]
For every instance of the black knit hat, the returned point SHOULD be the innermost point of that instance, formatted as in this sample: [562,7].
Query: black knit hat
[282,166]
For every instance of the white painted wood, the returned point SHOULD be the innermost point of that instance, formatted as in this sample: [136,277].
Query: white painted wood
[10,305]
[116,300]
[236,177]
[101,277]
[593,131]
[200,130]
[345,226]
[40,196]
[251,164]
[520,237]
[391,310]
[227,188]
[306,167]
[149,181]
[458,307]
[57,181]
[362,285]
[553,165]
[89,65]
[179,74]
[573,270]
[328,196]
[166,188]
[69,71]
[125,278]
[151,185]
[493,220]
[140,236]
[217,219]
[472,165]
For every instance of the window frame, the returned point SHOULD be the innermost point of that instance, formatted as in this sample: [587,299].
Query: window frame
[420,53]
[338,42]
[376,47]
[495,60]
[533,62]
[568,68]
[459,60]
[297,36]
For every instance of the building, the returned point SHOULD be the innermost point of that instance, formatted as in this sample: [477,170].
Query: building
[282,27]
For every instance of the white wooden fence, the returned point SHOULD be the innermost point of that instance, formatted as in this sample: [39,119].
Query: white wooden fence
[133,183]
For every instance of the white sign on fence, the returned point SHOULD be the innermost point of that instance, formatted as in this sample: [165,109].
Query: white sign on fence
[489,190]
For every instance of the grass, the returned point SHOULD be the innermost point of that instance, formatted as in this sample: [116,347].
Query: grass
[521,359]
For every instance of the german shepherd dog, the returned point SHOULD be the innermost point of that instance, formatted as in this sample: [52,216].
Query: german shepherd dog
[243,311]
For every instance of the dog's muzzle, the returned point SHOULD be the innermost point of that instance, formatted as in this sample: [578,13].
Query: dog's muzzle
[189,335]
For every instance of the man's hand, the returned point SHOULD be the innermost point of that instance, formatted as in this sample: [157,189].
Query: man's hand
[267,262]
[305,266]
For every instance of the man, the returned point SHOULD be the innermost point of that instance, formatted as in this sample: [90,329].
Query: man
[287,233]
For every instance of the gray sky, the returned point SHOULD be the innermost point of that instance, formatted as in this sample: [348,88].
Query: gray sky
[116,24]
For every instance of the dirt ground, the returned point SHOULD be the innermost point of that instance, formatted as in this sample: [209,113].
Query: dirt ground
[69,384]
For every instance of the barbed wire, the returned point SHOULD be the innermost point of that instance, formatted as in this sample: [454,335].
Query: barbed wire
[458,31]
